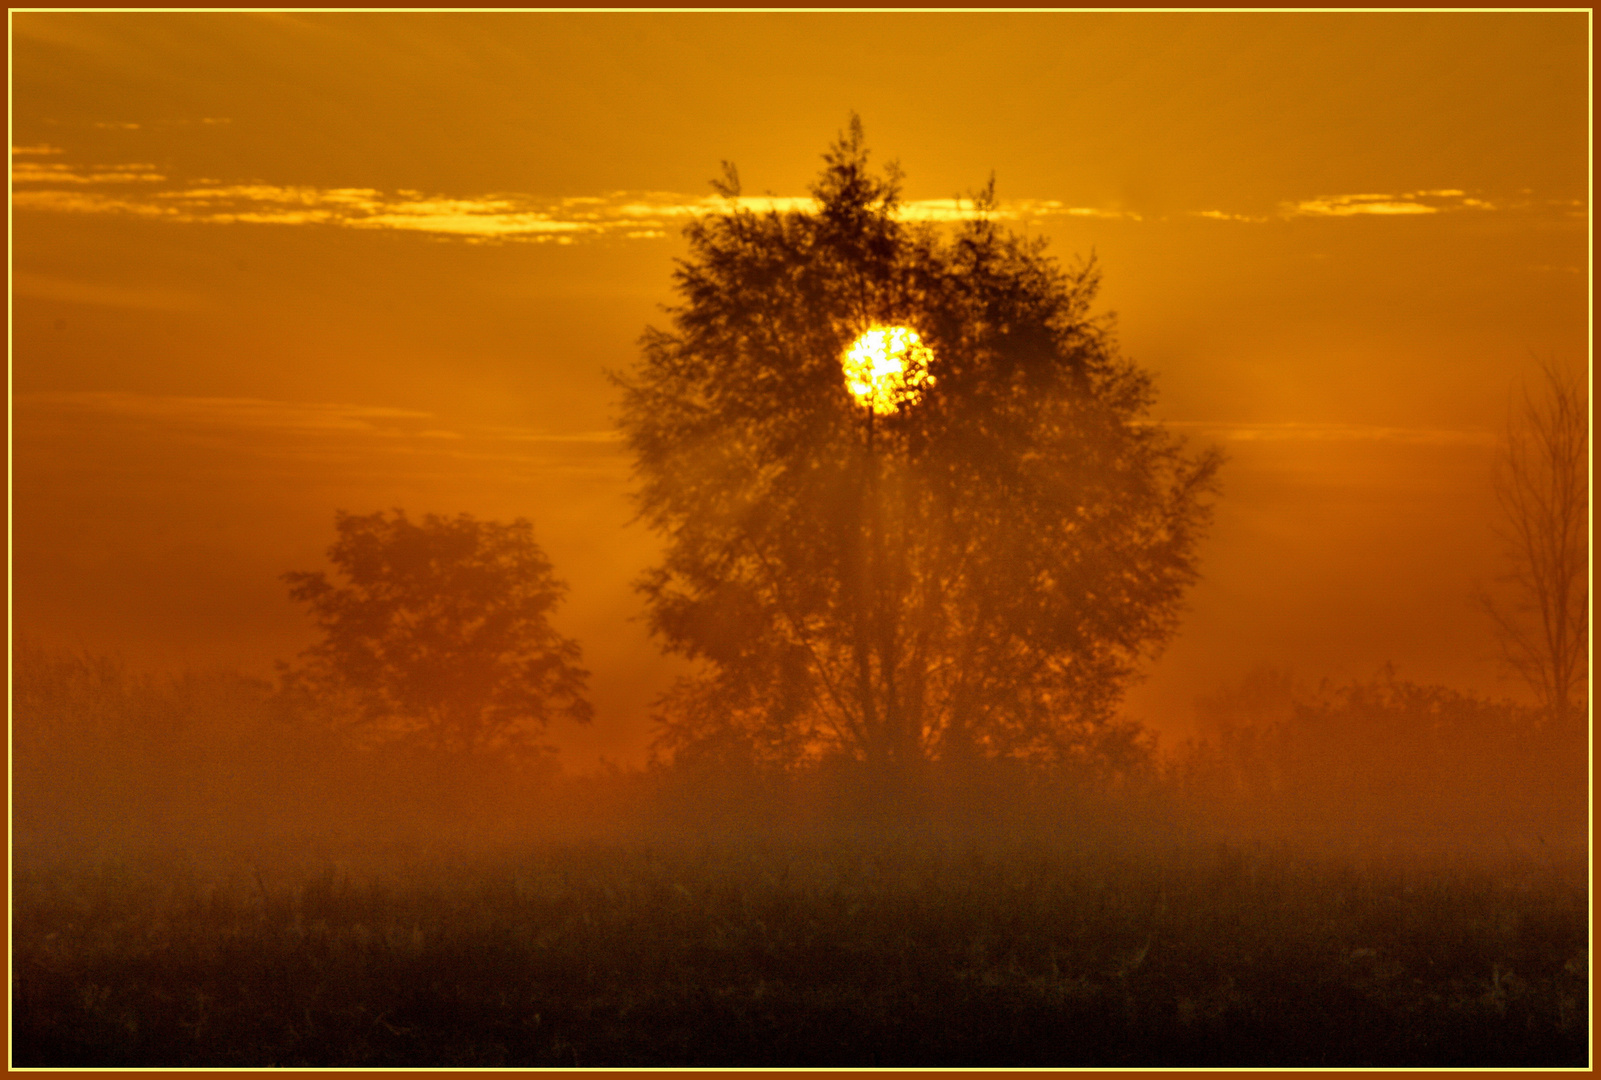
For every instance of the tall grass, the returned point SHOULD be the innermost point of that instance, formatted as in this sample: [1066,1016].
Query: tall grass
[1380,875]
[791,954]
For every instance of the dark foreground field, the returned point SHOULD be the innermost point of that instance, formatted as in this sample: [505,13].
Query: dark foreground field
[850,954]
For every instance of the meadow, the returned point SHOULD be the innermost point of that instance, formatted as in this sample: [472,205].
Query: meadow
[889,950]
[1385,876]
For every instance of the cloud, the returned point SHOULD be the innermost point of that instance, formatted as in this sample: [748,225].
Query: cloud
[1414,202]
[64,188]
[252,413]
[49,172]
[605,436]
[633,215]
[379,421]
[1309,432]
[1348,205]
[314,430]
[942,210]
[1404,204]
[511,216]
[1222,215]
[100,445]
[90,202]
[44,287]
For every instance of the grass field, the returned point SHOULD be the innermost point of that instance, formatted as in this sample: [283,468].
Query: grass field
[887,952]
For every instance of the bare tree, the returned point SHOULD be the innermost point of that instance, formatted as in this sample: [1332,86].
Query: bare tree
[1542,487]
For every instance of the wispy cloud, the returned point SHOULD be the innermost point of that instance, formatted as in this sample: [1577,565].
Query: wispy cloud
[491,217]
[1224,215]
[140,190]
[1350,205]
[602,437]
[304,417]
[1313,432]
[151,446]
[145,298]
[1436,201]
[50,172]
[315,430]
[941,210]
[258,413]
[107,189]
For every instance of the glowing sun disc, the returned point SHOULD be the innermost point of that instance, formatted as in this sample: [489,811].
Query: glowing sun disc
[887,366]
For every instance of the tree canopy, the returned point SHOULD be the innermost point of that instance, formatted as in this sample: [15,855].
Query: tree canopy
[438,635]
[974,569]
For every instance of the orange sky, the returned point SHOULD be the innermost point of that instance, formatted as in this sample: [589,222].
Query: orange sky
[270,266]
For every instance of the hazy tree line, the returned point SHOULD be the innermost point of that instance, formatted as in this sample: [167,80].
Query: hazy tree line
[926,593]
[107,760]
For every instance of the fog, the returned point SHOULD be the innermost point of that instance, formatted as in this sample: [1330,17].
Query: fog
[1376,875]
[1163,644]
[115,765]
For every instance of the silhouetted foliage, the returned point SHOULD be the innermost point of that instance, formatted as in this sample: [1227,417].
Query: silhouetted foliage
[1545,504]
[974,574]
[439,635]
[1384,761]
[106,760]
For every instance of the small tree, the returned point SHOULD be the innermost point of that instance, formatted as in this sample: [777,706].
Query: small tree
[1542,487]
[439,635]
[967,560]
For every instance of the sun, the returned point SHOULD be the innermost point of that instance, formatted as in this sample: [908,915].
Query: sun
[886,367]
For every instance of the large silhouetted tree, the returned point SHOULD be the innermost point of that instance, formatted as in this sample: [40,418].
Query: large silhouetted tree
[1543,491]
[438,635]
[973,572]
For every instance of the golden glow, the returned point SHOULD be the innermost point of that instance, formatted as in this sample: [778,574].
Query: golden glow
[887,366]
[323,272]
